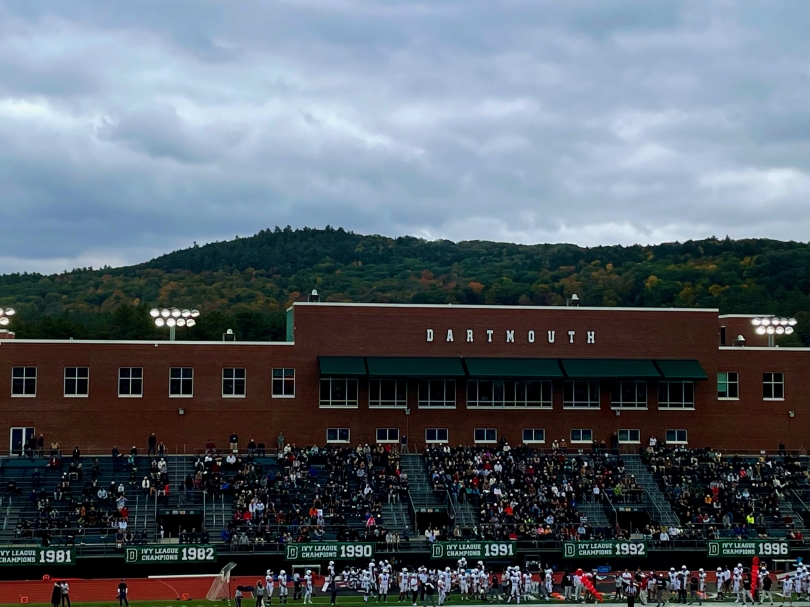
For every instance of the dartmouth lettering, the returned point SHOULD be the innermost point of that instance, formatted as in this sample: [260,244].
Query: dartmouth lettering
[510,336]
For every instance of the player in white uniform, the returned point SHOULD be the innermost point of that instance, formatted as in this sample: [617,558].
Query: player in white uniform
[526,583]
[442,587]
[403,584]
[413,584]
[282,586]
[701,584]
[269,585]
[308,587]
[385,579]
[514,585]
[787,588]
[736,582]
[463,583]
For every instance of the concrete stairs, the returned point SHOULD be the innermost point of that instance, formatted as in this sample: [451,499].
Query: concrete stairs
[654,500]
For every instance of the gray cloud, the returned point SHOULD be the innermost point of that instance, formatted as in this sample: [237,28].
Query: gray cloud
[131,130]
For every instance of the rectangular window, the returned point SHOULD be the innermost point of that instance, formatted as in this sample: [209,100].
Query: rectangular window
[436,435]
[676,437]
[24,381]
[233,382]
[77,381]
[773,386]
[437,393]
[728,385]
[388,393]
[485,435]
[181,382]
[130,382]
[628,395]
[581,435]
[283,383]
[581,394]
[337,435]
[338,392]
[676,395]
[629,437]
[508,393]
[387,435]
[534,435]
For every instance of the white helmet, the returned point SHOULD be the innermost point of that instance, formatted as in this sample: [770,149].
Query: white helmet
[309,571]
[281,572]
[739,565]
[404,570]
[447,569]
[719,568]
[331,563]
[269,572]
[481,563]
[700,570]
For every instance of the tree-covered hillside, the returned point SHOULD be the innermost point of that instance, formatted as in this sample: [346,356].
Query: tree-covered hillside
[246,283]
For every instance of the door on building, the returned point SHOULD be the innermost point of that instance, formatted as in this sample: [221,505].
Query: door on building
[18,437]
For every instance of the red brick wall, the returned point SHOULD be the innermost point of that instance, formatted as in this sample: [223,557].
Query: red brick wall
[103,419]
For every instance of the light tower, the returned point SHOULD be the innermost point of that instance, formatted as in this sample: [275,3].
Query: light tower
[5,316]
[173,318]
[773,325]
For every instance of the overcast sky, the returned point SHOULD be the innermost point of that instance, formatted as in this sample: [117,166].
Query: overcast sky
[128,129]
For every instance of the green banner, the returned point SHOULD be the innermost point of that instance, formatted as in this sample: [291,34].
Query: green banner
[37,555]
[170,553]
[587,549]
[473,550]
[723,548]
[332,551]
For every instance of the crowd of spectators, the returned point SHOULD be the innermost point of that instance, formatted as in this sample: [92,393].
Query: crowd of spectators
[730,496]
[307,494]
[522,493]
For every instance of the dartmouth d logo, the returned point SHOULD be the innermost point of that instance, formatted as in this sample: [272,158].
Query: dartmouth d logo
[569,550]
[714,549]
[438,551]
[132,555]
[292,552]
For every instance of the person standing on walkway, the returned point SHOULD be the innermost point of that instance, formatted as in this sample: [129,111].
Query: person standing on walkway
[56,595]
[631,591]
[122,594]
[65,590]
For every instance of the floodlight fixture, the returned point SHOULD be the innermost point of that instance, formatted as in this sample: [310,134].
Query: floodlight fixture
[773,325]
[5,313]
[173,318]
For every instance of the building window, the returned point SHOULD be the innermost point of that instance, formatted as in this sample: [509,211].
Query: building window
[233,382]
[337,435]
[534,435]
[181,382]
[437,393]
[436,435]
[388,393]
[508,393]
[24,381]
[676,437]
[629,437]
[773,386]
[387,435]
[130,382]
[676,395]
[485,435]
[728,385]
[628,395]
[283,383]
[581,394]
[338,392]
[77,381]
[581,435]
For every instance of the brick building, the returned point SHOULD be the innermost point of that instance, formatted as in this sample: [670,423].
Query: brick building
[393,373]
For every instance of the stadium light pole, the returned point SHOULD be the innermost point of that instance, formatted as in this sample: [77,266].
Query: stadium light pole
[5,316]
[773,325]
[173,318]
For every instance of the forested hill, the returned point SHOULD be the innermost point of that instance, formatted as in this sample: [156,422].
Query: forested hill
[246,283]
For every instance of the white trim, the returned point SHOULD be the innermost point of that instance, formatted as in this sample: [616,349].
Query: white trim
[746,316]
[581,408]
[623,408]
[24,395]
[511,408]
[442,407]
[130,396]
[370,406]
[666,408]
[727,398]
[181,396]
[282,396]
[762,348]
[234,396]
[479,307]
[320,406]
[773,399]
[76,395]
[142,342]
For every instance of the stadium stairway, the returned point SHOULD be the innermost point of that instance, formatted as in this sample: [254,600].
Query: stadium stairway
[654,500]
[422,493]
[595,511]
[397,519]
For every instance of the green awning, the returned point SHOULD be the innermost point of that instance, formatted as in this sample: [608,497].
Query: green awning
[681,369]
[415,367]
[513,367]
[345,366]
[609,368]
